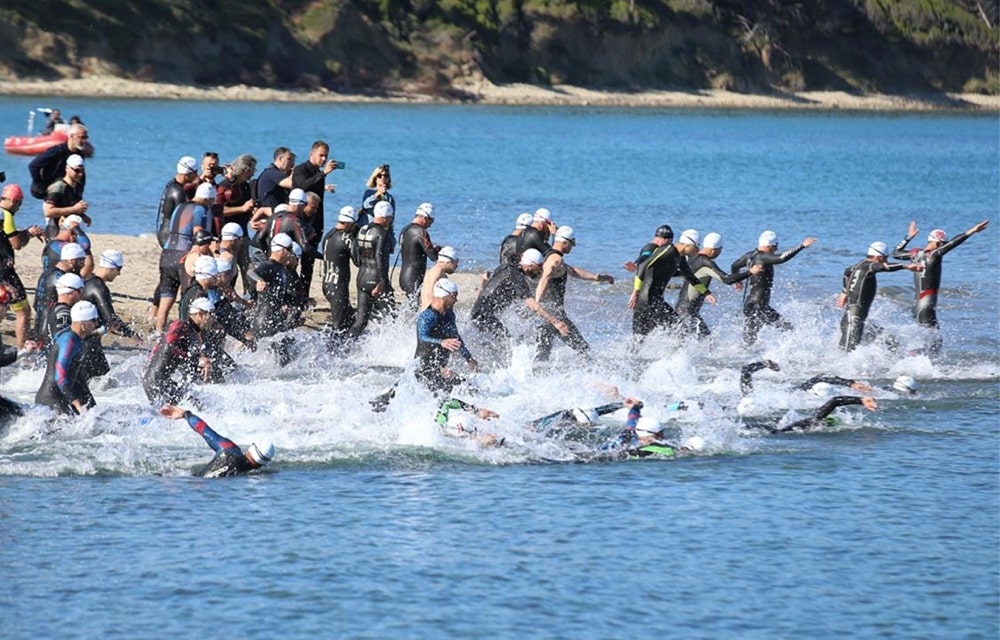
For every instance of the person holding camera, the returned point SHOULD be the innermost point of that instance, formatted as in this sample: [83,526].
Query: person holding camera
[379,183]
[310,176]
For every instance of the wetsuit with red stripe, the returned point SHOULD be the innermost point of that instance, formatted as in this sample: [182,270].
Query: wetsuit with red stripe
[229,459]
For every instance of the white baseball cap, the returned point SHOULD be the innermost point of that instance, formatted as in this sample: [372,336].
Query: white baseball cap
[201,305]
[83,311]
[767,239]
[231,230]
[689,236]
[112,259]
[878,249]
[447,254]
[712,241]
[347,214]
[297,196]
[445,287]
[531,257]
[383,210]
[205,191]
[426,209]
[68,282]
[205,266]
[72,251]
[187,164]
[75,160]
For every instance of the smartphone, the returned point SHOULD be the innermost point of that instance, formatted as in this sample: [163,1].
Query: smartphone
[339,165]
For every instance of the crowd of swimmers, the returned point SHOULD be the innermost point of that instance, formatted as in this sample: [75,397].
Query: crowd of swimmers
[238,250]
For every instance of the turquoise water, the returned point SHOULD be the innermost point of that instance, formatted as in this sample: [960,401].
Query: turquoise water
[371,526]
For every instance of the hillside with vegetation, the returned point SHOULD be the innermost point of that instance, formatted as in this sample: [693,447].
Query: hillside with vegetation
[438,46]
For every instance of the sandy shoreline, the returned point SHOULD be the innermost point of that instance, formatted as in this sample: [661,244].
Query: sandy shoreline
[132,290]
[514,94]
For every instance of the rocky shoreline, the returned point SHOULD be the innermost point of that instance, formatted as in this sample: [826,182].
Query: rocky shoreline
[514,94]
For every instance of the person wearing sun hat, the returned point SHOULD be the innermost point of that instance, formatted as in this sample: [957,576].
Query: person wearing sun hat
[928,281]
[229,459]
[63,387]
[858,293]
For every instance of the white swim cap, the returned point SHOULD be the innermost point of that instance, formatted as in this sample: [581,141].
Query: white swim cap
[205,266]
[72,251]
[231,230]
[689,236]
[426,209]
[112,259]
[531,257]
[822,389]
[71,221]
[282,241]
[223,264]
[279,208]
[205,191]
[586,416]
[187,164]
[460,421]
[694,443]
[382,210]
[565,234]
[905,384]
[712,241]
[447,254]
[542,215]
[524,221]
[444,288]
[297,196]
[201,305]
[648,426]
[68,282]
[347,214]
[767,239]
[938,235]
[83,311]
[260,455]
[878,249]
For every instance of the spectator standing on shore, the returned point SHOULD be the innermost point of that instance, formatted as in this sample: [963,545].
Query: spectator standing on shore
[50,165]
[310,176]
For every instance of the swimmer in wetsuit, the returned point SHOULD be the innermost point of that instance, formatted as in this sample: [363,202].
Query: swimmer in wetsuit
[757,310]
[437,338]
[459,419]
[415,248]
[508,247]
[229,459]
[338,254]
[63,388]
[928,281]
[180,350]
[536,236]
[650,310]
[820,419]
[690,300]
[373,251]
[858,294]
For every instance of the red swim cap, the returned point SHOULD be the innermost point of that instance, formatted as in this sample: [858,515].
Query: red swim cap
[4,295]
[13,192]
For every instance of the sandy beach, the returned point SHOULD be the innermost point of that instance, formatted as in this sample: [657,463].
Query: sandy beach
[134,287]
[485,92]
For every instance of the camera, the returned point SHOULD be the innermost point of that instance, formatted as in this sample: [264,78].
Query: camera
[218,171]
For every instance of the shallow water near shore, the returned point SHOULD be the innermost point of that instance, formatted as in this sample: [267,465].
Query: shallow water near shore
[375,525]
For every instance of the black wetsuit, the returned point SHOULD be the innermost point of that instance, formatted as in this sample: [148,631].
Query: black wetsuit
[228,321]
[819,419]
[63,382]
[177,351]
[554,301]
[96,291]
[432,328]
[747,371]
[651,278]
[229,459]
[860,286]
[311,179]
[415,248]
[504,287]
[566,418]
[338,254]
[508,250]
[928,281]
[61,194]
[757,310]
[690,300]
[45,298]
[373,251]
[173,196]
[9,410]
[532,238]
[275,306]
